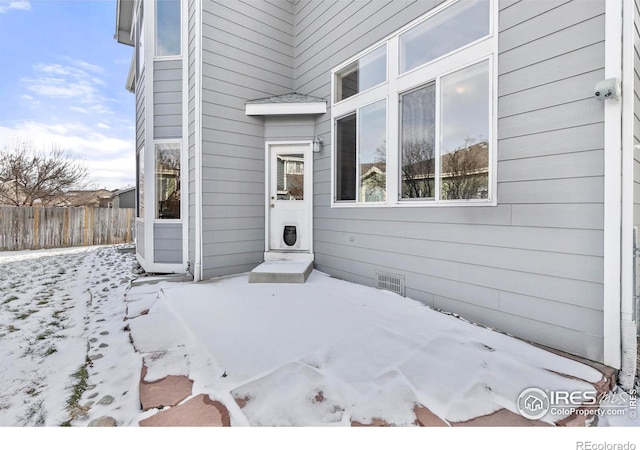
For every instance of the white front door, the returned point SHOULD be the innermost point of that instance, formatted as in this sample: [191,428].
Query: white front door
[289,197]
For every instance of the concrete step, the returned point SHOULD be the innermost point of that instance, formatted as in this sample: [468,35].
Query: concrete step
[281,272]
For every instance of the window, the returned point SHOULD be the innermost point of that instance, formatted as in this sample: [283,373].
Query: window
[417,142]
[290,177]
[362,154]
[422,136]
[168,180]
[360,75]
[140,182]
[140,48]
[464,139]
[168,30]
[456,26]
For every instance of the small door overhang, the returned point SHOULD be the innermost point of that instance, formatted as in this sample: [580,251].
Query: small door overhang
[286,105]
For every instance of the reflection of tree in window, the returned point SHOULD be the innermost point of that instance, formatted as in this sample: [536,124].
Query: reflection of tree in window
[465,172]
[464,149]
[418,166]
[418,142]
[168,181]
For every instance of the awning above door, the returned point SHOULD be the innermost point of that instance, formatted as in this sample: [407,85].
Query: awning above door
[286,104]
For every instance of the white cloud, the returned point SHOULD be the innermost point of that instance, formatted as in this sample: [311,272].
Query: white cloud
[77,81]
[110,158]
[6,5]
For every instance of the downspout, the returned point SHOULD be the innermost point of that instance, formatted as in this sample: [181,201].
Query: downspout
[628,321]
[197,269]
[184,147]
[612,189]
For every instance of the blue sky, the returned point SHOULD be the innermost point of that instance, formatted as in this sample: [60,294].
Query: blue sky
[62,78]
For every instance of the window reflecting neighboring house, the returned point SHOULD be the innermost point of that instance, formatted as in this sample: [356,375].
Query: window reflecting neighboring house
[168,181]
[290,177]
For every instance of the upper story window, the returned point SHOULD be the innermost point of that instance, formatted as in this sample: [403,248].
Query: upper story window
[456,26]
[139,40]
[421,131]
[362,74]
[168,28]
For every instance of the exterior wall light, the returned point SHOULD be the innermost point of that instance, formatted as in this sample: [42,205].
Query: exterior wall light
[317,144]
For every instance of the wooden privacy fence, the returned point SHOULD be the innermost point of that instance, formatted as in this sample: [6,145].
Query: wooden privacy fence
[24,228]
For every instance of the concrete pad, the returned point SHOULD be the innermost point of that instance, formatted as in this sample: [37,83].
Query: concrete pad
[501,418]
[168,391]
[425,418]
[199,411]
[281,272]
[609,374]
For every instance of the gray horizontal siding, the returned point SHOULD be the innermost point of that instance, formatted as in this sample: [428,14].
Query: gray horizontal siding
[140,111]
[167,243]
[279,128]
[167,99]
[140,247]
[247,54]
[532,265]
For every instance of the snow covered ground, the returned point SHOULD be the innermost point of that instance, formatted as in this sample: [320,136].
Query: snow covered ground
[326,352]
[58,307]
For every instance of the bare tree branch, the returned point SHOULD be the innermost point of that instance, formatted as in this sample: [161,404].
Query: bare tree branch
[29,176]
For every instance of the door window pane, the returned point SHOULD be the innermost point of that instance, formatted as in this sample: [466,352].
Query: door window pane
[373,152]
[365,73]
[417,142]
[168,181]
[290,177]
[459,25]
[168,28]
[346,158]
[464,144]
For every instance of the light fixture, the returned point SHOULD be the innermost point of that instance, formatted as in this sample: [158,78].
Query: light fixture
[317,143]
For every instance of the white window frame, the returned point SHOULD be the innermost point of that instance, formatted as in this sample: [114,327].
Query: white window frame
[155,34]
[484,49]
[139,38]
[179,143]
[140,183]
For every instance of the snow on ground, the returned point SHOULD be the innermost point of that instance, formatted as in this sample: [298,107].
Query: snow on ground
[326,352]
[57,308]
[329,352]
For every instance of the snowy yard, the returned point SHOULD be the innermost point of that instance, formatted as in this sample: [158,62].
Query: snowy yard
[57,308]
[326,352]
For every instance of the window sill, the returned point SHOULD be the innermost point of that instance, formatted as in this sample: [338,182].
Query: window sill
[418,204]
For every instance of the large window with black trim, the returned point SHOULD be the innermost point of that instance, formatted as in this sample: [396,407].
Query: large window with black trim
[413,120]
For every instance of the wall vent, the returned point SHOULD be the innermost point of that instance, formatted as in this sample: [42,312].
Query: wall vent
[390,282]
